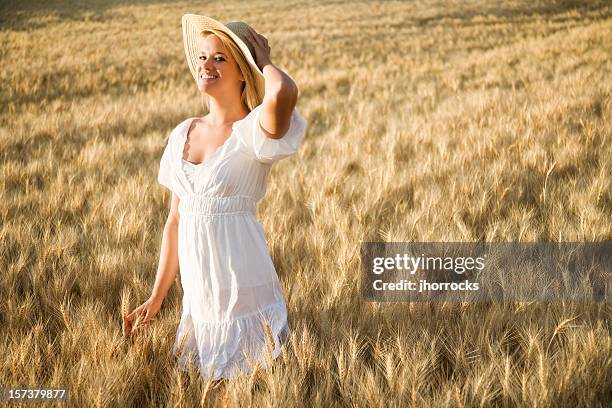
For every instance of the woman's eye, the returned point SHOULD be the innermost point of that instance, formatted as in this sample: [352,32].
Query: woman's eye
[217,59]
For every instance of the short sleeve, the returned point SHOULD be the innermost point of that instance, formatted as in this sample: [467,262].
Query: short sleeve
[164,176]
[263,148]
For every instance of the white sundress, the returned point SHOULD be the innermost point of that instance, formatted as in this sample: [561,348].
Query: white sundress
[230,286]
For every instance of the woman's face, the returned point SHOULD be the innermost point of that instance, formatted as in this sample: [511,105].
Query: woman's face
[214,60]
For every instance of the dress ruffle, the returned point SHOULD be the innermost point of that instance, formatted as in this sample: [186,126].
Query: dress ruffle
[232,348]
[263,148]
[164,175]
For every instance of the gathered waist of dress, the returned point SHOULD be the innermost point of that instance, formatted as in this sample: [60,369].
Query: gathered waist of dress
[208,205]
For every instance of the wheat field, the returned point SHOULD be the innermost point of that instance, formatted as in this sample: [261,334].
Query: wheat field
[427,121]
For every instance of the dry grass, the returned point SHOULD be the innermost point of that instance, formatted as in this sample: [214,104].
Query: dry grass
[428,121]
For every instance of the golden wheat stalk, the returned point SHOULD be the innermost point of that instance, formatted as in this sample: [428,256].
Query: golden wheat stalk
[207,388]
[65,315]
[224,402]
[340,362]
[559,328]
[253,376]
[137,323]
[270,346]
[247,359]
[180,392]
[284,353]
[182,342]
[125,307]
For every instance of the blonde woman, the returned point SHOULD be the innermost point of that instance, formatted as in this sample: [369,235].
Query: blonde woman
[233,309]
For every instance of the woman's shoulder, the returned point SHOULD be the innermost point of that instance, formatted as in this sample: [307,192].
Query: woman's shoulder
[247,119]
[181,127]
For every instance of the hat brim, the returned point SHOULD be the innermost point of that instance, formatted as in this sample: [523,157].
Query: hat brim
[193,25]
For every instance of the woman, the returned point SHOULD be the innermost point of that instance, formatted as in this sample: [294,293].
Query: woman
[217,167]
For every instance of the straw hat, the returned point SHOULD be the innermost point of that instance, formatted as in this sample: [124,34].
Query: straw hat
[238,31]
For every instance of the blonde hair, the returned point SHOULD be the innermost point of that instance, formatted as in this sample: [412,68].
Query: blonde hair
[248,95]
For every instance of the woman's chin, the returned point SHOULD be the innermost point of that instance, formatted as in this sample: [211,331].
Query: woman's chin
[206,88]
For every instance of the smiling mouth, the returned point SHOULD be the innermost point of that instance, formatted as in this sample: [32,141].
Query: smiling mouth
[203,76]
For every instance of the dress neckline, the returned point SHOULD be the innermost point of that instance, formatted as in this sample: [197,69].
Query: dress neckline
[203,166]
[191,163]
[217,150]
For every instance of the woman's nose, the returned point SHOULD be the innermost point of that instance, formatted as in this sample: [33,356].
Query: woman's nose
[207,64]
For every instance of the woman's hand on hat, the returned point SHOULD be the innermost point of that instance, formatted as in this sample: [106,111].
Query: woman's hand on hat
[261,47]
